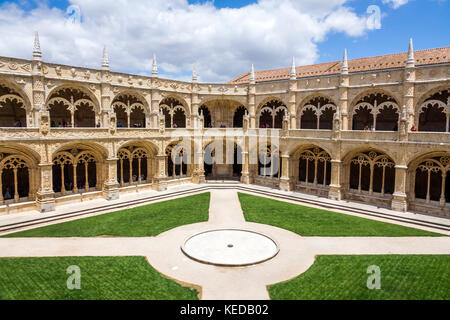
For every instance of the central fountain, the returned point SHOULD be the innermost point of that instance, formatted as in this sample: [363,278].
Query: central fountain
[230,247]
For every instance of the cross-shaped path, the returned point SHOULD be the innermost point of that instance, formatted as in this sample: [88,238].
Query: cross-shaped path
[163,252]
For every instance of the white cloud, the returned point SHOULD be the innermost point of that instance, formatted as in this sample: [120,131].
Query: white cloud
[222,42]
[395,3]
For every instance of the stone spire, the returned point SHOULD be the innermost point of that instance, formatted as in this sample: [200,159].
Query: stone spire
[194,74]
[410,63]
[344,68]
[37,54]
[293,74]
[105,61]
[154,67]
[252,74]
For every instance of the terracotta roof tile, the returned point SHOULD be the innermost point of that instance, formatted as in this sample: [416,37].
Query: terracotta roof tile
[396,60]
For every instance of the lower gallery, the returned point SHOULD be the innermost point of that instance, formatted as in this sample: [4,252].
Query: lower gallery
[373,130]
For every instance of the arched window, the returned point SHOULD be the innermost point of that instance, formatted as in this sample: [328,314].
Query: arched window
[238,118]
[130,111]
[174,112]
[314,167]
[373,172]
[74,171]
[14,178]
[12,108]
[271,114]
[375,111]
[317,113]
[132,165]
[434,113]
[176,161]
[269,164]
[432,181]
[71,107]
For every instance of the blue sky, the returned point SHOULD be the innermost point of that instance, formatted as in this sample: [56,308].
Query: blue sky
[228,41]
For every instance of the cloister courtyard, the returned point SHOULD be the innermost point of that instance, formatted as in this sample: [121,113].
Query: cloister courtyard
[327,181]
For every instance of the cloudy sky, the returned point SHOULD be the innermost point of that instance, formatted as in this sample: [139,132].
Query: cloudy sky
[223,38]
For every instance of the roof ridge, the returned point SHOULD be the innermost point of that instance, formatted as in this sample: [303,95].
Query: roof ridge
[327,67]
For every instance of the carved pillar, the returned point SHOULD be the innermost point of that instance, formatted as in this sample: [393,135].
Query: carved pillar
[292,103]
[408,94]
[285,181]
[105,93]
[110,184]
[38,95]
[399,197]
[45,196]
[194,111]
[335,191]
[251,104]
[155,108]
[161,177]
[343,102]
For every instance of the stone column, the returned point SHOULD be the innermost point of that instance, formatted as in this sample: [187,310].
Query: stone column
[245,174]
[343,102]
[292,103]
[45,196]
[285,182]
[154,108]
[408,95]
[110,184]
[161,177]
[335,192]
[399,198]
[251,104]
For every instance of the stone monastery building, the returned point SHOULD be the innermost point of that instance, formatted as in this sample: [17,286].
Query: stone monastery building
[372,130]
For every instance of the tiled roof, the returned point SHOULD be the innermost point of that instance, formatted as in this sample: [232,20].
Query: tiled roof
[389,61]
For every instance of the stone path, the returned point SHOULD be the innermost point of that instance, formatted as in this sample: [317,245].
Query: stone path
[163,252]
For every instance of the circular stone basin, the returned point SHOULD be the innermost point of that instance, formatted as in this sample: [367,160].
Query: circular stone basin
[230,247]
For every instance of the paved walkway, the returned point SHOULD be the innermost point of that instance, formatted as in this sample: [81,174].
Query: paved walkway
[163,252]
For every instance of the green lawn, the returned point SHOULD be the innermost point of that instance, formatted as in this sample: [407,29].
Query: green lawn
[147,220]
[403,277]
[307,221]
[102,278]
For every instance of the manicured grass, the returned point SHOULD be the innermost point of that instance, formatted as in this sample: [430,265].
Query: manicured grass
[101,278]
[403,277]
[307,221]
[148,220]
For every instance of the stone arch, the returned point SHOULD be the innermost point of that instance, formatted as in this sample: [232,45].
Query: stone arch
[312,168]
[316,112]
[178,158]
[429,179]
[274,108]
[372,106]
[77,100]
[131,109]
[369,171]
[21,92]
[136,163]
[19,178]
[77,168]
[14,110]
[175,112]
[433,112]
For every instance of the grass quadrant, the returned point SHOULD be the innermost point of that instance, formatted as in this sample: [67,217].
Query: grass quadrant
[307,221]
[147,220]
[104,278]
[338,277]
